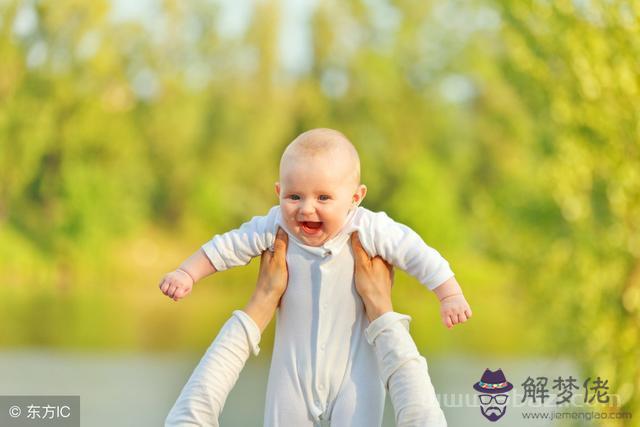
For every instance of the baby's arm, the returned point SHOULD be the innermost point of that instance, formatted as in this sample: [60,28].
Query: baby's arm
[178,283]
[404,248]
[454,308]
[204,395]
[231,249]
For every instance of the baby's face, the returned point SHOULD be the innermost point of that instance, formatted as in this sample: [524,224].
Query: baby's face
[316,194]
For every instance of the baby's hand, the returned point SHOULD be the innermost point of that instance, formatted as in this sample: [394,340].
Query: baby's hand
[177,284]
[454,309]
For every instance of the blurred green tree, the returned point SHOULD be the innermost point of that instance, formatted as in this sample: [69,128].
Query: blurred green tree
[506,133]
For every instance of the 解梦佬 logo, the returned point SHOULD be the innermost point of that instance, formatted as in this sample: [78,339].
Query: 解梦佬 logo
[493,390]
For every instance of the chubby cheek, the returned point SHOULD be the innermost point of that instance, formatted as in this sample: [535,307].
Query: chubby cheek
[289,214]
[332,220]
[332,226]
[286,207]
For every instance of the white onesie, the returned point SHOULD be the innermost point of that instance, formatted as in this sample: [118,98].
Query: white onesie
[403,370]
[322,367]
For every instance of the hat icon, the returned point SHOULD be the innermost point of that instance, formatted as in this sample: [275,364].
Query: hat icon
[493,382]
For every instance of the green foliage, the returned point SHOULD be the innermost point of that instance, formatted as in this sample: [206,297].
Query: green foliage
[506,133]
[568,210]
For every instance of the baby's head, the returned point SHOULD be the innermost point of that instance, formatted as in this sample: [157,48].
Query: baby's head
[319,185]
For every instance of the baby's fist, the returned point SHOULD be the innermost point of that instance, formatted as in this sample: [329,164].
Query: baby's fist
[454,309]
[176,285]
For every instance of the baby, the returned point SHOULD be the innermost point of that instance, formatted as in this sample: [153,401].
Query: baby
[322,365]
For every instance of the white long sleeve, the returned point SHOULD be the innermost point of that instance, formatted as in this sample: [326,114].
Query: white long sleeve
[401,246]
[237,247]
[404,372]
[202,398]
[380,235]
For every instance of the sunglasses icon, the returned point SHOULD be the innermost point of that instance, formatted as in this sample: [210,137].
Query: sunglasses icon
[500,399]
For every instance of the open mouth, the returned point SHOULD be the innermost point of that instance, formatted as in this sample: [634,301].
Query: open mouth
[311,227]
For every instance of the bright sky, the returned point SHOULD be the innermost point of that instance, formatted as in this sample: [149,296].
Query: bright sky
[294,40]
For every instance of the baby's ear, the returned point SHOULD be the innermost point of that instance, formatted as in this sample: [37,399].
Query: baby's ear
[360,193]
[277,187]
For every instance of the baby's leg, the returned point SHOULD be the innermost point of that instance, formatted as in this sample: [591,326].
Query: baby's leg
[358,405]
[360,402]
[285,404]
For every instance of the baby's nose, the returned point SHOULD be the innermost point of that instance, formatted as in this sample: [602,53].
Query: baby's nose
[307,207]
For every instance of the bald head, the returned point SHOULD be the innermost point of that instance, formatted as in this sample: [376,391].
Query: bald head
[323,143]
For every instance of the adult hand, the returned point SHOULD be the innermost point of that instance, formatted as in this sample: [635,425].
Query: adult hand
[374,278]
[272,282]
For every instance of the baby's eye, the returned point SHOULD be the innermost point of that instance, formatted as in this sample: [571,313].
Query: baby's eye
[324,197]
[294,197]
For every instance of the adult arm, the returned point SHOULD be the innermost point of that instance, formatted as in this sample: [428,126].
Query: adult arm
[403,370]
[202,398]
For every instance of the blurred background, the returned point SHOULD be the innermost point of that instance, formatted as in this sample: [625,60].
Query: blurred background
[506,133]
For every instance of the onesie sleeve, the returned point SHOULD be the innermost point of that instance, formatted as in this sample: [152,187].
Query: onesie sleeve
[401,246]
[237,247]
